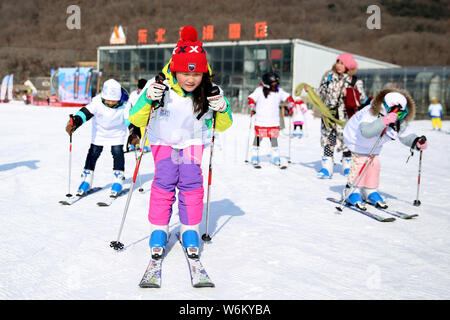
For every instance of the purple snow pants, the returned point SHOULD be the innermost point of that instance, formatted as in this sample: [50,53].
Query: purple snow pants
[177,168]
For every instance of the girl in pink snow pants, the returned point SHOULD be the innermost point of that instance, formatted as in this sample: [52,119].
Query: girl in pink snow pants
[184,106]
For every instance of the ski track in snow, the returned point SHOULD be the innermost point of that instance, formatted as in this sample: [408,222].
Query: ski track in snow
[274,234]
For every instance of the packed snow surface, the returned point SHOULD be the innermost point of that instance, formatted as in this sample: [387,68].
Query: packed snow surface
[274,234]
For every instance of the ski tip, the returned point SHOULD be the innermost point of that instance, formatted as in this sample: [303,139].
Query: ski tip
[409,216]
[388,220]
[102,204]
[146,285]
[204,285]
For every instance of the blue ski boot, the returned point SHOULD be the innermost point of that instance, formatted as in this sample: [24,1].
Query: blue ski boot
[327,168]
[86,184]
[346,163]
[117,185]
[190,239]
[255,156]
[158,241]
[374,198]
[276,156]
[354,198]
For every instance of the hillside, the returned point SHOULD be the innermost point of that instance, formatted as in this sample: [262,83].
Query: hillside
[37,39]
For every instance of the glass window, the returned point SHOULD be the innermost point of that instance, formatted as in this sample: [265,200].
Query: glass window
[276,54]
[151,66]
[217,78]
[143,60]
[160,65]
[228,53]
[126,56]
[249,66]
[228,66]
[260,54]
[287,54]
[167,55]
[248,53]
[160,54]
[238,66]
[151,54]
[217,66]
[238,53]
[216,53]
[286,66]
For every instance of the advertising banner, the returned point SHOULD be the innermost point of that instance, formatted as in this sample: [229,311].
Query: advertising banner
[74,85]
[10,87]
[4,88]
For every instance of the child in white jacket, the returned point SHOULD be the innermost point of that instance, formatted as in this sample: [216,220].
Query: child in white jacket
[435,113]
[385,119]
[109,116]
[264,104]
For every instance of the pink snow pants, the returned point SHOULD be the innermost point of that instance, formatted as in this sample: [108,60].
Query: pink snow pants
[177,168]
[371,175]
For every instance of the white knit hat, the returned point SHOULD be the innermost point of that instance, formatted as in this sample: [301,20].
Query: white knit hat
[112,90]
[394,99]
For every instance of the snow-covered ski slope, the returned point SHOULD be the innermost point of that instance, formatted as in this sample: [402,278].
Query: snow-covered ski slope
[274,234]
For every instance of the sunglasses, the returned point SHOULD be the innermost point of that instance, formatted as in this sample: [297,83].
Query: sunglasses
[401,111]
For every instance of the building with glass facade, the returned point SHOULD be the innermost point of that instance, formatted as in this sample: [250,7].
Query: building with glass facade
[237,65]
[423,83]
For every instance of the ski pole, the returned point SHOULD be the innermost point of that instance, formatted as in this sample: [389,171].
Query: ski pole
[140,180]
[206,236]
[290,124]
[420,140]
[361,171]
[68,195]
[117,245]
[417,201]
[248,139]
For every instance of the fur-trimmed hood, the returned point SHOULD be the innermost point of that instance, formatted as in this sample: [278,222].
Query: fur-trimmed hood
[377,103]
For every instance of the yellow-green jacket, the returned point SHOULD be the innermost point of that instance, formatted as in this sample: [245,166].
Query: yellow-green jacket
[175,124]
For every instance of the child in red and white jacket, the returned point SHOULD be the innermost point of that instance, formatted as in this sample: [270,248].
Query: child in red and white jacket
[264,103]
[298,116]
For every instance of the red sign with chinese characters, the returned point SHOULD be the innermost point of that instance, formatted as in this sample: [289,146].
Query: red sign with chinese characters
[261,29]
[142,36]
[208,32]
[160,35]
[234,31]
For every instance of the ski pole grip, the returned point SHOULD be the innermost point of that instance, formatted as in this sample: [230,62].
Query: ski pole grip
[160,77]
[214,91]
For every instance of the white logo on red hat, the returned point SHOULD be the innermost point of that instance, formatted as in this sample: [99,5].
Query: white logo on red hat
[191,66]
[194,49]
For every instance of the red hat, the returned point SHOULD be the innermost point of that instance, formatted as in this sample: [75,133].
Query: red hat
[189,55]
[348,61]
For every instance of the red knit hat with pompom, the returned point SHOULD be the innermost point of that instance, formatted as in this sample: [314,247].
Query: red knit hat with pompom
[189,55]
